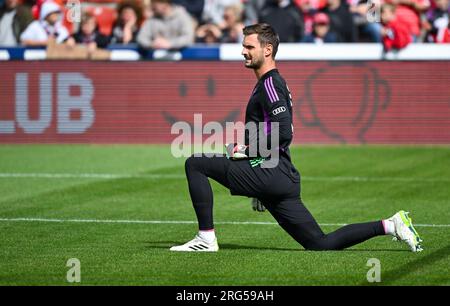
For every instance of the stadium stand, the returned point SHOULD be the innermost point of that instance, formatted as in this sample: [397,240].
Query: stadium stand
[434,29]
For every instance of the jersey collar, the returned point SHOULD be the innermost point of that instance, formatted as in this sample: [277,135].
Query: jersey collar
[268,73]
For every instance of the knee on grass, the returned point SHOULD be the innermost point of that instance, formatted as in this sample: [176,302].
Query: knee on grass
[322,244]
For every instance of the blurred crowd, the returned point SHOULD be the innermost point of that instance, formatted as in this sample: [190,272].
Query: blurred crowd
[174,24]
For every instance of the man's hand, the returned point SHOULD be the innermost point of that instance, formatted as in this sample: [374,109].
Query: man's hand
[235,151]
[257,205]
[161,43]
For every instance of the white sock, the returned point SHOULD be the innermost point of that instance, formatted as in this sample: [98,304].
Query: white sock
[389,227]
[208,236]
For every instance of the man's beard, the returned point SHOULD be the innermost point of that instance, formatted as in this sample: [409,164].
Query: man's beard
[254,63]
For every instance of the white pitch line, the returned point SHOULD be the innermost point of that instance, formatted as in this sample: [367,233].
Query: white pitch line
[182,176]
[171,222]
[375,179]
[89,175]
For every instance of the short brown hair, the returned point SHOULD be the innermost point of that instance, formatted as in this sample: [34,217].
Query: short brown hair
[266,35]
[86,16]
[388,6]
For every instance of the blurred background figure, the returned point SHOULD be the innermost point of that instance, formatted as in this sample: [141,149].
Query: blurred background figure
[48,26]
[208,33]
[88,34]
[309,8]
[285,18]
[170,27]
[147,12]
[438,22]
[251,10]
[341,21]
[409,12]
[367,30]
[126,27]
[230,31]
[395,33]
[14,19]
[193,7]
[321,31]
[232,24]
[213,11]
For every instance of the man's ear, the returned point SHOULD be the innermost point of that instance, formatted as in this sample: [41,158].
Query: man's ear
[268,49]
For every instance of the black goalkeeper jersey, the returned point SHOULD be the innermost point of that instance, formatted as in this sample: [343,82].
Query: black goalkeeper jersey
[270,102]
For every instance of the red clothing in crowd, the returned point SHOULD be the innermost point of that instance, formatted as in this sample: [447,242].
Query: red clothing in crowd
[443,36]
[398,35]
[410,16]
[309,8]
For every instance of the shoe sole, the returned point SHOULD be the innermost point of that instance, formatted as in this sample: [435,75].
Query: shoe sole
[194,250]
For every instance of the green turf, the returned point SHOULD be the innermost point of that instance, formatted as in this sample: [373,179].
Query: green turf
[35,253]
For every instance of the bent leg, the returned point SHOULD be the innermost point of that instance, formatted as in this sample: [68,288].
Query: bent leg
[298,222]
[198,170]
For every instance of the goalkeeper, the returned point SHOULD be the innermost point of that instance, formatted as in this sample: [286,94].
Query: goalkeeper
[277,188]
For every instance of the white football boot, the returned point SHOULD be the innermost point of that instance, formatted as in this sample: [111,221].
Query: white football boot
[405,231]
[197,245]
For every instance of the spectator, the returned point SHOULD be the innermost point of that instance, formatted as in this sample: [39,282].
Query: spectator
[341,21]
[394,32]
[194,7]
[208,33]
[321,31]
[14,19]
[48,26]
[171,27]
[214,9]
[88,34]
[368,30]
[229,32]
[408,12]
[309,8]
[126,28]
[438,22]
[285,18]
[232,26]
[251,10]
[147,12]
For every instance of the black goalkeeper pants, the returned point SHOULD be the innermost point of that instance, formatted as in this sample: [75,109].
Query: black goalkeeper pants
[278,189]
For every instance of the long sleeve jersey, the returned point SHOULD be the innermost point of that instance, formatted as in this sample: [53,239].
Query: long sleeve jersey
[270,102]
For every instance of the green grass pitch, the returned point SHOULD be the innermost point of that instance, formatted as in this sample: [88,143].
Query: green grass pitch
[81,186]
